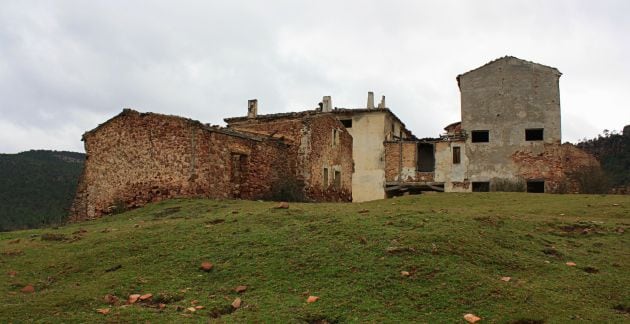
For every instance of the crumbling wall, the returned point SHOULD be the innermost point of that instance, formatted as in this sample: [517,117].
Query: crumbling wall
[555,164]
[312,139]
[402,169]
[137,158]
[453,175]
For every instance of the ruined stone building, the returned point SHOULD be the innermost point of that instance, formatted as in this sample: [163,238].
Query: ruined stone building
[135,158]
[509,136]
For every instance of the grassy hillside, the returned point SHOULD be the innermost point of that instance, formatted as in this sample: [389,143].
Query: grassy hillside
[455,248]
[37,187]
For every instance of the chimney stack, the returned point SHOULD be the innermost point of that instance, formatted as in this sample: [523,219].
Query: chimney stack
[370,102]
[252,108]
[382,103]
[327,104]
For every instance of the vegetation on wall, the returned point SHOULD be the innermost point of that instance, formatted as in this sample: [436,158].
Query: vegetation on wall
[37,187]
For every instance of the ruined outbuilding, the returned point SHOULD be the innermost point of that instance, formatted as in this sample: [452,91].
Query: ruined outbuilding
[135,158]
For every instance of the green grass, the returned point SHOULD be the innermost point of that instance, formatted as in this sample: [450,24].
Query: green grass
[455,246]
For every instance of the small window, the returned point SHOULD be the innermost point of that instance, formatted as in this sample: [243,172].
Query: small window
[325,178]
[337,179]
[335,137]
[534,134]
[481,186]
[537,186]
[480,136]
[457,155]
[347,123]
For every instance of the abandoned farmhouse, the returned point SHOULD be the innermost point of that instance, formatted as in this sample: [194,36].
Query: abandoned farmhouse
[509,133]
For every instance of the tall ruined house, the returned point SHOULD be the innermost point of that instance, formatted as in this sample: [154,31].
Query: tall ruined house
[509,135]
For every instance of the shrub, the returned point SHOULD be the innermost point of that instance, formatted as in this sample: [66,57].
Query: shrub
[592,181]
[287,189]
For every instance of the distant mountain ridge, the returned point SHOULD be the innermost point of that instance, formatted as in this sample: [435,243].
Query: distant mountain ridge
[37,187]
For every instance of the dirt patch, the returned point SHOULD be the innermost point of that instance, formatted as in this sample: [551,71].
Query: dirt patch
[590,269]
[578,229]
[53,237]
[528,321]
[222,310]
[489,221]
[13,252]
[319,319]
[215,221]
[166,212]
[624,308]
[552,252]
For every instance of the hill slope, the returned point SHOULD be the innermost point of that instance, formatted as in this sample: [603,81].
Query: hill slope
[613,151]
[37,187]
[455,247]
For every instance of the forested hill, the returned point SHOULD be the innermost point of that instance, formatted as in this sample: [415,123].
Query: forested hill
[612,149]
[37,187]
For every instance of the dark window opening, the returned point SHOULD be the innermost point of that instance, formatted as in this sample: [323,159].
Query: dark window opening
[325,178]
[480,136]
[347,123]
[337,179]
[536,186]
[481,186]
[457,155]
[534,134]
[426,157]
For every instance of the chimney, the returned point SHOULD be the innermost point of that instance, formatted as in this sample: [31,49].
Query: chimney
[327,104]
[252,108]
[370,103]
[382,103]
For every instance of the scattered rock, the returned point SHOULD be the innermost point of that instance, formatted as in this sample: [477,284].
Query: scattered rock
[133,298]
[312,299]
[236,303]
[399,249]
[110,299]
[471,318]
[206,266]
[405,273]
[12,273]
[283,205]
[571,264]
[146,297]
[161,305]
[191,309]
[240,289]
[506,279]
[28,289]
[615,205]
[199,307]
[103,311]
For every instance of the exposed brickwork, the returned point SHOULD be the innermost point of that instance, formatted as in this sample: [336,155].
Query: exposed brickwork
[555,165]
[138,158]
[405,167]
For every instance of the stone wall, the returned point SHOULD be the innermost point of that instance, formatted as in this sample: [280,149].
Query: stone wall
[311,136]
[136,158]
[555,164]
[405,169]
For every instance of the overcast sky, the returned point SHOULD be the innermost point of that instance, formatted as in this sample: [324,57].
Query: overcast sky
[66,66]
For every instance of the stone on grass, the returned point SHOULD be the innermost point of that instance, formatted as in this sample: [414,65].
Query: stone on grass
[571,264]
[103,311]
[283,205]
[28,289]
[472,318]
[191,309]
[236,303]
[145,297]
[206,266]
[12,273]
[110,299]
[405,273]
[506,279]
[240,289]
[312,299]
[133,298]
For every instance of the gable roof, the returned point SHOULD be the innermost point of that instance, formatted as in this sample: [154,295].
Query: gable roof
[507,57]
